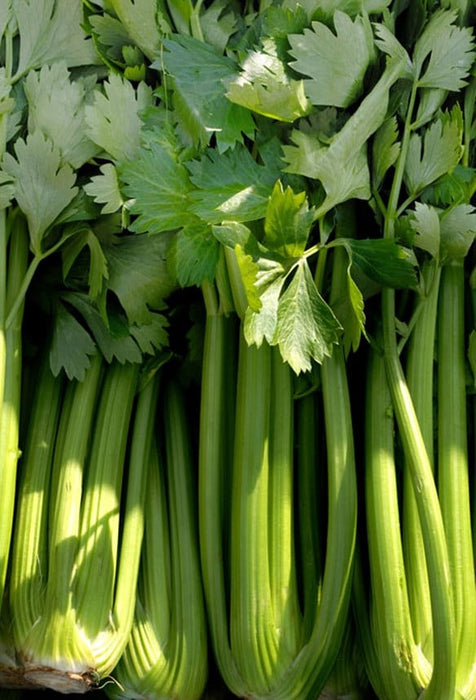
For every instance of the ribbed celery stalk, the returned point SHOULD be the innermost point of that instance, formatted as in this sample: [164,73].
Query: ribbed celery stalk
[30,540]
[40,634]
[443,680]
[396,653]
[420,373]
[86,602]
[13,264]
[453,469]
[167,653]
[252,632]
[215,457]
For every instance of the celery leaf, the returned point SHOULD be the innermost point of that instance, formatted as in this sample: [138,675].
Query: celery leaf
[50,30]
[56,106]
[200,75]
[335,63]
[381,259]
[71,345]
[435,153]
[158,186]
[230,186]
[444,53]
[105,190]
[139,274]
[44,185]
[140,20]
[265,87]
[193,254]
[458,232]
[288,222]
[306,326]
[426,224]
[114,117]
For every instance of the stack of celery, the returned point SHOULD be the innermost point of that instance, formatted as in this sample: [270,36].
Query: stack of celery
[237,348]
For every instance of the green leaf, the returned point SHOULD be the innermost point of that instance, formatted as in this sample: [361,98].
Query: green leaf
[114,118]
[349,310]
[306,326]
[56,106]
[335,63]
[230,186]
[456,187]
[71,346]
[114,340]
[288,222]
[342,166]
[193,255]
[218,23]
[140,20]
[158,186]
[265,87]
[7,189]
[201,76]
[381,259]
[435,153]
[444,53]
[104,189]
[98,269]
[342,179]
[385,150]
[389,44]
[44,186]
[50,31]
[139,274]
[426,224]
[458,231]
[151,336]
[260,323]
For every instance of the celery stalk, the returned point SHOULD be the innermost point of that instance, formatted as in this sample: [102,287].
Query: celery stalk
[253,636]
[419,372]
[215,444]
[167,652]
[13,260]
[396,651]
[453,470]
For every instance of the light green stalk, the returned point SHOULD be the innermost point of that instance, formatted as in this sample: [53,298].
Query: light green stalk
[443,680]
[420,372]
[167,652]
[453,470]
[13,262]
[396,653]
[253,635]
[215,458]
[30,540]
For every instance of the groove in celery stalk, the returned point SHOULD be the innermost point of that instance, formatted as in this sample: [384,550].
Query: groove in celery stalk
[311,564]
[13,260]
[453,469]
